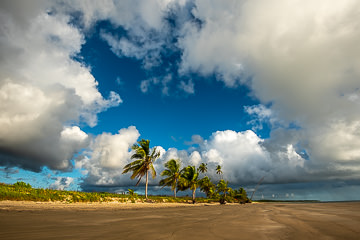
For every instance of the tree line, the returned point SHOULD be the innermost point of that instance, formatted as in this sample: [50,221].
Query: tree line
[178,178]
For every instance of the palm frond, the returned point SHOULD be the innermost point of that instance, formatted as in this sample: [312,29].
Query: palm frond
[132,166]
[166,181]
[154,154]
[137,183]
[138,155]
[166,172]
[144,145]
[152,171]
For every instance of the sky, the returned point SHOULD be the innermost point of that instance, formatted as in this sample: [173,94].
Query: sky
[266,89]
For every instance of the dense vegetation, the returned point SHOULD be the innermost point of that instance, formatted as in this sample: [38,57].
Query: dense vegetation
[21,191]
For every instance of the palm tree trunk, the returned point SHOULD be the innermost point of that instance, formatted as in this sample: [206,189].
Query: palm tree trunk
[175,188]
[193,195]
[146,184]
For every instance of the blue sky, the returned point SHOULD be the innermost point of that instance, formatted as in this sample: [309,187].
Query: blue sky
[264,88]
[173,118]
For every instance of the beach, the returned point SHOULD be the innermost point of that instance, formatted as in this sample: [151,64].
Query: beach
[35,220]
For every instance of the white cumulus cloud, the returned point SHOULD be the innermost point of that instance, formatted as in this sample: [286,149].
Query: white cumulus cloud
[107,155]
[43,90]
[61,183]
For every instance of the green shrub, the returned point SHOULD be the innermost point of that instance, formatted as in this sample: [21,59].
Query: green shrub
[22,185]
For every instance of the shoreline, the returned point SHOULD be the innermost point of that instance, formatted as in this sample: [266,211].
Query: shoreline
[32,205]
[10,205]
[27,202]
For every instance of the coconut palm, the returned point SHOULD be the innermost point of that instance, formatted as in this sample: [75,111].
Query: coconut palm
[219,171]
[189,179]
[143,163]
[207,186]
[222,186]
[202,168]
[241,195]
[173,174]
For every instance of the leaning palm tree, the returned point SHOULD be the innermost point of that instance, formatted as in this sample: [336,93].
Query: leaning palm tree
[203,168]
[143,163]
[189,179]
[173,173]
[219,171]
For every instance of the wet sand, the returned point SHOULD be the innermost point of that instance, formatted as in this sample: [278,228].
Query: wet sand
[26,220]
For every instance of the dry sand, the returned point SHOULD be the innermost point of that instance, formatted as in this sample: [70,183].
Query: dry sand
[28,220]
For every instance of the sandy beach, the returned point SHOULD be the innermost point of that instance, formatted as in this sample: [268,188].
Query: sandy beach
[31,220]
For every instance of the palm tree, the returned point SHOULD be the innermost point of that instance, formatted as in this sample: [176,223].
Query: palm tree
[173,173]
[143,163]
[207,186]
[222,186]
[189,179]
[203,168]
[219,171]
[241,195]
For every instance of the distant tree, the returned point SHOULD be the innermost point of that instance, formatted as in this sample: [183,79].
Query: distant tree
[219,171]
[189,180]
[203,168]
[173,174]
[241,195]
[143,163]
